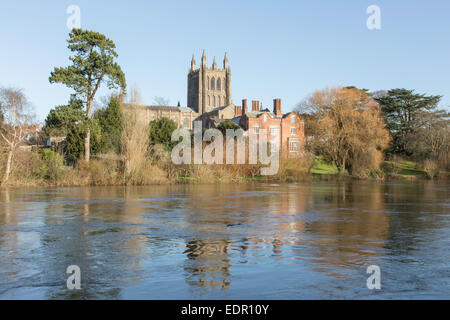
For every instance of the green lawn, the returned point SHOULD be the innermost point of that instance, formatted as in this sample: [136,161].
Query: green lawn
[404,169]
[321,167]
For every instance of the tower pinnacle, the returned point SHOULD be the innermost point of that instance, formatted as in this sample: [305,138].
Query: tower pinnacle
[193,63]
[203,59]
[225,62]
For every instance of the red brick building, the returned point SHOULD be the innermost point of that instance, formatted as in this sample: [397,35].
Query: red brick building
[287,130]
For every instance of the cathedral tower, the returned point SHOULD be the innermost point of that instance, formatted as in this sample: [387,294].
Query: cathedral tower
[208,88]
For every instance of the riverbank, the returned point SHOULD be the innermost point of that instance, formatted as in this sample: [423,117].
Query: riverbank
[32,172]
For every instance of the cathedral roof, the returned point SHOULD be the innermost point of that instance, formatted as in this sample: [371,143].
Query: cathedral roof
[165,108]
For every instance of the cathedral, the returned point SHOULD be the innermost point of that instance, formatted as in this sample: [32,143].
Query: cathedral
[209,101]
[208,88]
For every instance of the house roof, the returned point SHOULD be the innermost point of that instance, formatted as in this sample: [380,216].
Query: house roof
[256,114]
[218,121]
[287,114]
[236,120]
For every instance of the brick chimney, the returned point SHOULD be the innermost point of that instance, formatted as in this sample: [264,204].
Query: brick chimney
[255,105]
[277,107]
[244,106]
[237,111]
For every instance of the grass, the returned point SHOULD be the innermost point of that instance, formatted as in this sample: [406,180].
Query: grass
[404,169]
[322,167]
[400,169]
[27,172]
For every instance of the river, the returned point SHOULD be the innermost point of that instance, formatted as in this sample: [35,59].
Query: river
[249,241]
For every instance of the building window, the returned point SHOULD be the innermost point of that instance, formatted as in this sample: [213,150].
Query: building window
[209,84]
[218,84]
[256,129]
[273,131]
[293,131]
[265,117]
[214,101]
[185,123]
[293,118]
[213,82]
[294,145]
[273,146]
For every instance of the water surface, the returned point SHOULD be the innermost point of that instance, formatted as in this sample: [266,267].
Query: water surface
[258,241]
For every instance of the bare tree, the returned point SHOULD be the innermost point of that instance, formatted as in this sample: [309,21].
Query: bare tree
[16,111]
[134,138]
[345,126]
[134,96]
[161,101]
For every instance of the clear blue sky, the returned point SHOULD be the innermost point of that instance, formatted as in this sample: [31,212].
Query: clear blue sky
[276,49]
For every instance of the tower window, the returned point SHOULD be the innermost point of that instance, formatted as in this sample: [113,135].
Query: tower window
[213,82]
[218,84]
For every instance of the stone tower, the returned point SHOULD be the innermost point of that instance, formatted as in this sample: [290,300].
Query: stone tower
[208,88]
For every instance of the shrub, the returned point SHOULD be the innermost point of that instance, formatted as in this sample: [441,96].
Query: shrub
[158,154]
[52,165]
[161,132]
[27,166]
[444,161]
[431,167]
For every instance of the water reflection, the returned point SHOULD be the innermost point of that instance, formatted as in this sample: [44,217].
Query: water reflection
[208,266]
[225,241]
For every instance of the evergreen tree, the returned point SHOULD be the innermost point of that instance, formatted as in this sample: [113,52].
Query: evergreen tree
[62,119]
[74,143]
[161,132]
[92,64]
[111,121]
[403,113]
[227,124]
